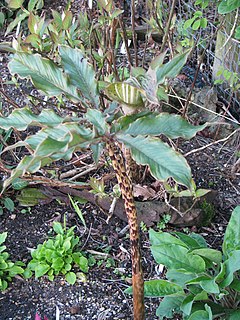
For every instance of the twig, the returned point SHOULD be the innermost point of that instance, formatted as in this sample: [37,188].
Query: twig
[210,144]
[111,209]
[91,168]
[125,40]
[134,36]
[201,107]
[232,31]
[165,37]
[13,103]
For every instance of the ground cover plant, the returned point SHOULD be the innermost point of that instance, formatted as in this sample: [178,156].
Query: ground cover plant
[58,256]
[111,111]
[8,269]
[202,285]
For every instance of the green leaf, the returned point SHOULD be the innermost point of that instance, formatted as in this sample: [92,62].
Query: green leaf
[168,306]
[163,161]
[57,227]
[172,68]
[38,4]
[15,270]
[159,288]
[19,184]
[57,264]
[158,238]
[188,23]
[96,117]
[20,119]
[2,19]
[210,286]
[188,240]
[67,21]
[227,6]
[202,314]
[30,197]
[180,277]
[237,33]
[41,269]
[231,240]
[9,204]
[15,4]
[232,265]
[196,25]
[172,126]
[3,237]
[234,315]
[80,72]
[45,75]
[210,254]
[50,145]
[83,264]
[186,305]
[16,21]
[71,277]
[171,255]
[67,244]
[126,94]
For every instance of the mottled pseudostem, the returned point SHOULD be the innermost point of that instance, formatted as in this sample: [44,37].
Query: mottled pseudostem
[125,183]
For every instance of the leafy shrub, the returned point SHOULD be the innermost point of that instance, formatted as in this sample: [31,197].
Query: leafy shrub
[8,269]
[202,283]
[58,255]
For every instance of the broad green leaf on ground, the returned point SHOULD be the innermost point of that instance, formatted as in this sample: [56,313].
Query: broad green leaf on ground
[180,277]
[162,160]
[168,306]
[29,197]
[159,288]
[45,75]
[172,126]
[232,235]
[210,254]
[200,315]
[158,238]
[190,242]
[125,93]
[80,72]
[20,119]
[171,256]
[172,68]
[232,265]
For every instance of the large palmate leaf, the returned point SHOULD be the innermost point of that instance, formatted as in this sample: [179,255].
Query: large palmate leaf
[81,73]
[172,68]
[125,93]
[172,126]
[45,75]
[232,235]
[162,160]
[20,119]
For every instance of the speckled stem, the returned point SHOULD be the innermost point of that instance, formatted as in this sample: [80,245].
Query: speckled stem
[125,183]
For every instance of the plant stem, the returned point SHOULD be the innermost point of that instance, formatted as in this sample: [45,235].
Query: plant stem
[125,183]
